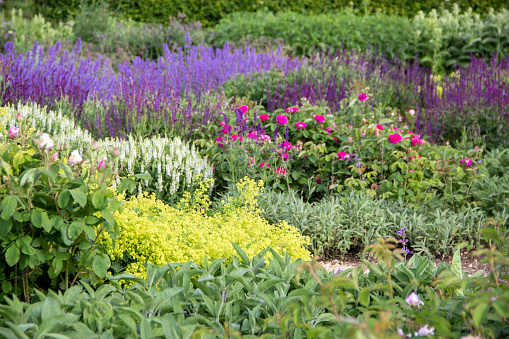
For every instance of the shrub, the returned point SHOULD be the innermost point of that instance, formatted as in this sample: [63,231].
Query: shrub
[210,13]
[50,222]
[174,166]
[192,231]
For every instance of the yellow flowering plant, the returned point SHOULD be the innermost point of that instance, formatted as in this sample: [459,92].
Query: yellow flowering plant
[151,231]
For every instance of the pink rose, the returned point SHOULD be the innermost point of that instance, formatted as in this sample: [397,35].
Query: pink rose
[222,123]
[319,118]
[285,156]
[363,97]
[466,161]
[219,139]
[282,119]
[286,145]
[264,117]
[243,109]
[13,132]
[301,125]
[343,155]
[234,137]
[262,164]
[252,135]
[55,156]
[416,141]
[380,127]
[395,138]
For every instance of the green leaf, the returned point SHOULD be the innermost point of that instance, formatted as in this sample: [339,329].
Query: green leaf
[144,176]
[100,265]
[6,286]
[108,216]
[241,253]
[12,255]
[75,229]
[63,199]
[9,204]
[480,313]
[5,227]
[79,197]
[364,296]
[98,199]
[145,330]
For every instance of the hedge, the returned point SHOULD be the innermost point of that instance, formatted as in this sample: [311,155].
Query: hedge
[210,12]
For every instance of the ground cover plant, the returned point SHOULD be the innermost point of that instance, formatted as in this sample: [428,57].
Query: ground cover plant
[174,187]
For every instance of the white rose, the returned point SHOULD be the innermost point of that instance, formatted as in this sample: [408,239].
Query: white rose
[45,141]
[75,158]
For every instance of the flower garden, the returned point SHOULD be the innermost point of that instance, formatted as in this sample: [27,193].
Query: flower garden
[177,180]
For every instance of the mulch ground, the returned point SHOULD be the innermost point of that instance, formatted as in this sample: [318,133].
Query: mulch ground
[469,264]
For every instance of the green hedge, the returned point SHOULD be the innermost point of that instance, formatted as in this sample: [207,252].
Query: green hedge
[210,12]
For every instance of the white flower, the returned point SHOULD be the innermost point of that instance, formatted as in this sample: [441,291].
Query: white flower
[45,141]
[413,300]
[75,158]
[401,333]
[425,330]
[412,112]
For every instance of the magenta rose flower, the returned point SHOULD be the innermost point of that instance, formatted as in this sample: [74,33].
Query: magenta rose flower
[343,155]
[264,117]
[282,119]
[416,141]
[395,138]
[466,161]
[301,125]
[363,97]
[13,132]
[380,127]
[319,118]
[243,109]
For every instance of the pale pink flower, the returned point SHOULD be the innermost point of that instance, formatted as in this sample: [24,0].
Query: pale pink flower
[265,137]
[115,151]
[411,112]
[55,156]
[424,331]
[75,158]
[20,117]
[45,141]
[292,110]
[413,300]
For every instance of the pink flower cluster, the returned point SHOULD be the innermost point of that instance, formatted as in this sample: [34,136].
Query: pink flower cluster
[279,171]
[263,164]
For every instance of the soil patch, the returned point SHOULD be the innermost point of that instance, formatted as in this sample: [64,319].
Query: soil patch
[469,263]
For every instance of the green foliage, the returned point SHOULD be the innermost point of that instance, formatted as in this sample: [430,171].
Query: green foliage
[283,298]
[210,13]
[91,20]
[52,214]
[440,39]
[348,222]
[25,32]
